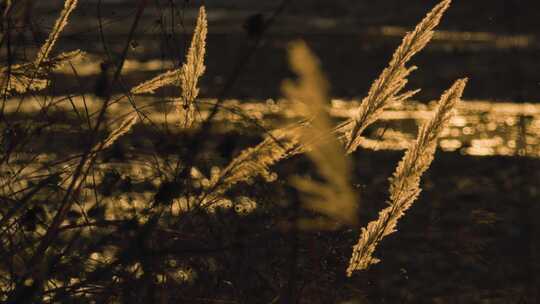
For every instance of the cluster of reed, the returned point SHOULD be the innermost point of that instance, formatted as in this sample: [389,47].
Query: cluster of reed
[328,146]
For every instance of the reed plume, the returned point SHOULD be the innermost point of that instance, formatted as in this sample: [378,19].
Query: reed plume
[59,60]
[334,197]
[286,142]
[405,182]
[149,86]
[20,78]
[384,91]
[23,77]
[387,88]
[61,22]
[255,161]
[193,69]
[187,76]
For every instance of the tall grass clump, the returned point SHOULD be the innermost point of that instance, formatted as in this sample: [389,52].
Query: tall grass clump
[314,136]
[79,229]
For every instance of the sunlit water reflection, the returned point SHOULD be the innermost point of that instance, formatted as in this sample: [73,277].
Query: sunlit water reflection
[478,128]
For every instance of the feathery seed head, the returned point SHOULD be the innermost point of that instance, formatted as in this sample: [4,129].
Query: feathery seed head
[405,182]
[187,76]
[193,69]
[334,197]
[386,89]
[61,22]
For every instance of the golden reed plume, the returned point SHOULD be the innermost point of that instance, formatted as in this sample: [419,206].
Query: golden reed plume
[20,78]
[187,76]
[387,88]
[405,183]
[334,197]
[285,142]
[61,22]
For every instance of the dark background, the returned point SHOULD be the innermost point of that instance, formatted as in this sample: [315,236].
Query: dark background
[346,35]
[472,236]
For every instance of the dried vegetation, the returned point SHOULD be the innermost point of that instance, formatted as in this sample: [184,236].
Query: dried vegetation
[38,241]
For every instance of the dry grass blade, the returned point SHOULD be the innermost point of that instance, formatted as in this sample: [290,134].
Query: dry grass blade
[405,183]
[387,88]
[61,22]
[334,197]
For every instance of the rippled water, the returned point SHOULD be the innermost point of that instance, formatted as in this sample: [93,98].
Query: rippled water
[478,128]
